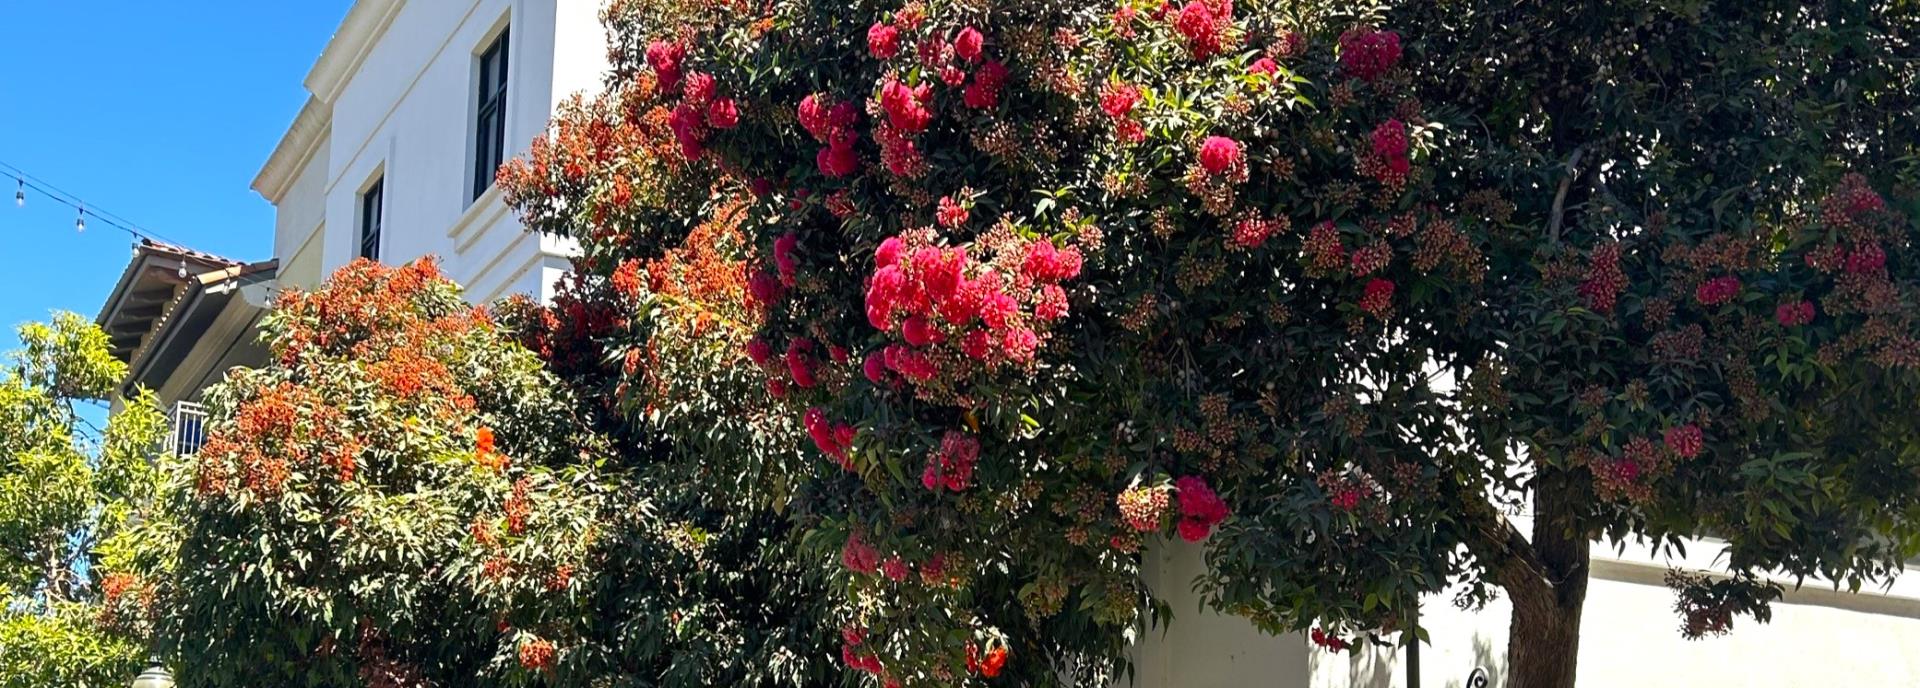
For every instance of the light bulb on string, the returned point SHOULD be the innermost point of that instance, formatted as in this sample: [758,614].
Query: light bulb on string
[183,270]
[20,193]
[80,220]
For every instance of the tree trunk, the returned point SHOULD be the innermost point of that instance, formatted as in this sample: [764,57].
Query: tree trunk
[1543,647]
[1545,643]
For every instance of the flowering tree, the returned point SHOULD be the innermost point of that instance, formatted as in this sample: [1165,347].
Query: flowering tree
[1034,283]
[405,497]
[72,614]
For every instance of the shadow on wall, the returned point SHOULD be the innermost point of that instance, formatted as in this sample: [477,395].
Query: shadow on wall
[1384,667]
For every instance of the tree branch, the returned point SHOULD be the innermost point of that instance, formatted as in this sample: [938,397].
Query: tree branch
[1560,198]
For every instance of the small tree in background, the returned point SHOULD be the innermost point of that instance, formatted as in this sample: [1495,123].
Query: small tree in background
[74,614]
[406,497]
[1329,287]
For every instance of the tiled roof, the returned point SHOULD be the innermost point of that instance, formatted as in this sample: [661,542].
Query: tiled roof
[164,248]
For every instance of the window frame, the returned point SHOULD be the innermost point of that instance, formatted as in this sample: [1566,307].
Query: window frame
[372,218]
[493,67]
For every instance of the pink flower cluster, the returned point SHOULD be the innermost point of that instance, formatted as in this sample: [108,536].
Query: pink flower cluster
[1718,290]
[832,124]
[954,315]
[1368,54]
[1200,508]
[951,466]
[835,439]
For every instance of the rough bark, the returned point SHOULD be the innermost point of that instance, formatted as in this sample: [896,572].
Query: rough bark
[1543,648]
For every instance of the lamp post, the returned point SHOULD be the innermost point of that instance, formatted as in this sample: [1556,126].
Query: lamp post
[155,676]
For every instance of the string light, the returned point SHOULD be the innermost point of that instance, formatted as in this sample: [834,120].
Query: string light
[24,182]
[182,272]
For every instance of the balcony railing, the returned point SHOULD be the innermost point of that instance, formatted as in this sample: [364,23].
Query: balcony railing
[189,428]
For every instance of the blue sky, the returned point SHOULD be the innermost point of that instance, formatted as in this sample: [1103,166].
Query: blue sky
[159,112]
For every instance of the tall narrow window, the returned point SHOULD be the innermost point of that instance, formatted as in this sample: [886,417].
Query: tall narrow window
[490,115]
[370,212]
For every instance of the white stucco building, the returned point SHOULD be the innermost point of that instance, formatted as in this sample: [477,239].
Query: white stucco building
[414,100]
[412,105]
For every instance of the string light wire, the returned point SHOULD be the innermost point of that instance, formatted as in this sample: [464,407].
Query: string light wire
[24,182]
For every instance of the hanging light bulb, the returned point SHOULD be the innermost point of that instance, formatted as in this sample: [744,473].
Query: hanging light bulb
[80,220]
[20,193]
[183,269]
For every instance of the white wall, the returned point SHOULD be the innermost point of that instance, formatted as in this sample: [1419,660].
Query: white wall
[406,115]
[1630,637]
[1202,648]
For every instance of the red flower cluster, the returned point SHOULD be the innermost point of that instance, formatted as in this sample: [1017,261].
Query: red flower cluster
[1368,54]
[1328,641]
[536,654]
[1253,232]
[1264,66]
[1221,157]
[950,213]
[955,315]
[859,556]
[1349,494]
[1205,25]
[833,438]
[832,124]
[1118,99]
[1684,441]
[951,466]
[1718,290]
[969,44]
[1143,507]
[1794,313]
[854,656]
[1378,298]
[1605,280]
[883,40]
[666,60]
[1324,253]
[1200,508]
[984,92]
[1389,162]
[991,665]
[698,112]
[1866,259]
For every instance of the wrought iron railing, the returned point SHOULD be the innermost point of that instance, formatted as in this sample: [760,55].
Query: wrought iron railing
[189,428]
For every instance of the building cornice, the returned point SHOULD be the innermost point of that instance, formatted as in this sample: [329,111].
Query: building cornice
[296,147]
[366,22]
[358,33]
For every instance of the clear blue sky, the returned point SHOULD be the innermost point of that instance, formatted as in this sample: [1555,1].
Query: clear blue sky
[160,112]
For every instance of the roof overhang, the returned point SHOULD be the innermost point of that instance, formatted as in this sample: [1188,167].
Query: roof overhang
[151,282]
[187,319]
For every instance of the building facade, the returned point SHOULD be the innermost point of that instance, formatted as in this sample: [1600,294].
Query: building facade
[412,105]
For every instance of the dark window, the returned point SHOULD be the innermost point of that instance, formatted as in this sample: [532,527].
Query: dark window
[370,212]
[490,116]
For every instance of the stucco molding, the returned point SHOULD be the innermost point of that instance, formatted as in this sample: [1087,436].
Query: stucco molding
[358,33]
[304,138]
